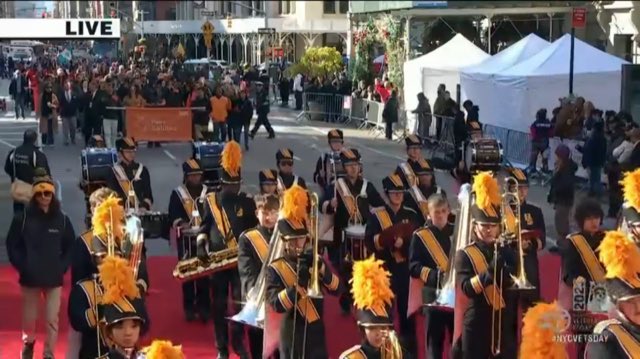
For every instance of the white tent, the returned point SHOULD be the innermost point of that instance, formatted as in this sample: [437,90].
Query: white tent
[541,80]
[475,81]
[441,65]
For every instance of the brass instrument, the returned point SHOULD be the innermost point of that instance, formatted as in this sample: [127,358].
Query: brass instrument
[391,348]
[462,237]
[354,232]
[314,290]
[195,268]
[134,239]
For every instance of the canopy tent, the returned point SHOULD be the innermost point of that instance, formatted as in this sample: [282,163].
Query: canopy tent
[475,81]
[538,82]
[440,66]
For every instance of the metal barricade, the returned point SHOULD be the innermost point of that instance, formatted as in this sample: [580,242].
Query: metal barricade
[516,145]
[323,107]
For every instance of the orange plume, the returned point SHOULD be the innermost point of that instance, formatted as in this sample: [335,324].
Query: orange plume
[231,159]
[620,256]
[295,203]
[116,277]
[163,349]
[109,216]
[540,325]
[487,190]
[371,284]
[631,188]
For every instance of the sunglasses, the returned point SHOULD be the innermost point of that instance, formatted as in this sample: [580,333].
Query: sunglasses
[44,194]
[286,163]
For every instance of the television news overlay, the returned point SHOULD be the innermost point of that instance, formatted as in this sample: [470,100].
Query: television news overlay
[63,29]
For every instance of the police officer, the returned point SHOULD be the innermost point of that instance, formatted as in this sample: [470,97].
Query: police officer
[130,179]
[388,234]
[414,154]
[263,106]
[268,179]
[429,262]
[619,336]
[533,237]
[354,198]
[21,163]
[287,292]
[373,299]
[323,174]
[186,208]
[227,215]
[253,250]
[475,267]
[286,177]
[425,186]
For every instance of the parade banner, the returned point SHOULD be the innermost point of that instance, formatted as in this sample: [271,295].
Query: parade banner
[158,124]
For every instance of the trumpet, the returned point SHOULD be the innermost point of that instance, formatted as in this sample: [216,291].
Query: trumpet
[314,290]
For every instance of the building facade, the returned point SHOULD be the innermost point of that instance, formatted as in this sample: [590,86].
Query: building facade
[620,24]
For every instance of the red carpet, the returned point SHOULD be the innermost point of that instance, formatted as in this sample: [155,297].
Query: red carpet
[164,304]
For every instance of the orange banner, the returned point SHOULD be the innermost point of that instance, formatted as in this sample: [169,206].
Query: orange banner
[158,124]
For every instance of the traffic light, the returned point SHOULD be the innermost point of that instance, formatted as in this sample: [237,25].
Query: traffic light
[229,21]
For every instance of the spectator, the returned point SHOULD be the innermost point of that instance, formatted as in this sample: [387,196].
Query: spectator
[111,116]
[540,134]
[382,90]
[134,98]
[298,88]
[262,110]
[200,117]
[94,112]
[390,114]
[18,89]
[39,245]
[68,111]
[594,156]
[423,113]
[220,107]
[49,115]
[242,114]
[562,191]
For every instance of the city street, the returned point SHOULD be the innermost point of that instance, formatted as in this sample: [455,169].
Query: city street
[307,140]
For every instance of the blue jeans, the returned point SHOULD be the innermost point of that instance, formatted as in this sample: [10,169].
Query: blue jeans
[220,132]
[595,180]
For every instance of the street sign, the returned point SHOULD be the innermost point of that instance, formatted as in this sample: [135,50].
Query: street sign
[207,13]
[579,17]
[266,30]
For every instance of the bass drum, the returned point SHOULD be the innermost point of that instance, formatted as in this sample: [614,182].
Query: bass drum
[484,155]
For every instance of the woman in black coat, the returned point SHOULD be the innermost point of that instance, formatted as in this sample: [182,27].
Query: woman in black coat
[240,118]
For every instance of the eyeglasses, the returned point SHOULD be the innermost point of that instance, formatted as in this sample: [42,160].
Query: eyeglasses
[44,194]
[286,163]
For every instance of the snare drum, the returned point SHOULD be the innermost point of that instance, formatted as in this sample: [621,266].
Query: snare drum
[155,224]
[97,163]
[353,242]
[484,155]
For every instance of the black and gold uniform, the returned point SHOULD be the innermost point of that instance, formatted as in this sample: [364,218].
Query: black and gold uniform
[83,316]
[534,232]
[128,175]
[619,336]
[324,173]
[186,208]
[388,234]
[414,154]
[475,267]
[253,250]
[268,180]
[373,297]
[355,197]
[227,215]
[286,177]
[288,281]
[429,261]
[419,194]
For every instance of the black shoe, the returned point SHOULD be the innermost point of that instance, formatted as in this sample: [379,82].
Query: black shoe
[243,354]
[223,355]
[272,136]
[27,350]
[252,135]
[189,315]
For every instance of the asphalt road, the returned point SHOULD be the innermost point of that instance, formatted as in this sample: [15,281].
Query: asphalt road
[307,140]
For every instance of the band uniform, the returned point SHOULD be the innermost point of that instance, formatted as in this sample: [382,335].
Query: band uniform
[227,214]
[186,208]
[413,145]
[253,250]
[355,197]
[323,174]
[424,186]
[429,261]
[388,234]
[475,266]
[268,180]
[129,175]
[288,280]
[286,176]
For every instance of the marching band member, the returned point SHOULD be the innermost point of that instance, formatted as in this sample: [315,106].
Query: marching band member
[186,207]
[268,180]
[388,233]
[253,249]
[475,266]
[621,333]
[540,327]
[122,310]
[91,247]
[631,206]
[288,279]
[286,177]
[355,196]
[424,186]
[373,297]
[96,141]
[429,261]
[227,215]
[414,154]
[323,166]
[130,177]
[533,237]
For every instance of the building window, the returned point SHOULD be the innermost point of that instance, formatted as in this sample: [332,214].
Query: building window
[344,6]
[329,7]
[171,14]
[287,7]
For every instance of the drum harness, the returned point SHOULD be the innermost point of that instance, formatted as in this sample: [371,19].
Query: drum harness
[122,177]
[281,186]
[185,196]
[344,191]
